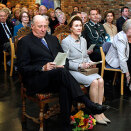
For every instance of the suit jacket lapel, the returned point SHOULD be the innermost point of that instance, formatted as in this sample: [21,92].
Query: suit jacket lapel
[2,29]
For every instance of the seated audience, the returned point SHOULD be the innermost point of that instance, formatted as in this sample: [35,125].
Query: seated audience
[124,16]
[31,12]
[24,9]
[61,19]
[9,5]
[75,8]
[108,25]
[78,13]
[36,11]
[58,11]
[118,53]
[37,5]
[2,6]
[42,10]
[94,33]
[84,17]
[99,19]
[24,19]
[16,14]
[52,19]
[6,32]
[35,55]
[76,47]
[8,12]
[18,5]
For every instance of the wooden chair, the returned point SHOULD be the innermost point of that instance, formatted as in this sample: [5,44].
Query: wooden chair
[12,57]
[111,69]
[21,33]
[42,100]
[61,32]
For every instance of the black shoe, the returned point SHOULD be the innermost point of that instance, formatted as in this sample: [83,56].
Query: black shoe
[98,109]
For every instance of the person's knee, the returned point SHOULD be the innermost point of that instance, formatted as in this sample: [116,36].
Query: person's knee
[95,83]
[101,81]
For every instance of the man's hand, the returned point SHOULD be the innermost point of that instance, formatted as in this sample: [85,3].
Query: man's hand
[59,66]
[50,66]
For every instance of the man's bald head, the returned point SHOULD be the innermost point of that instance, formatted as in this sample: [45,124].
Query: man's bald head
[39,25]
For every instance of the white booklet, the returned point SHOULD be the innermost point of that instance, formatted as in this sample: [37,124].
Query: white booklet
[95,63]
[91,47]
[60,59]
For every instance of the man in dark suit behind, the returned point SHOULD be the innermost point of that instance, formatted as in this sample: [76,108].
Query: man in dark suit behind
[35,56]
[6,31]
[123,18]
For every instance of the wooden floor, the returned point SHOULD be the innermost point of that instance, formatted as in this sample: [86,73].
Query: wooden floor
[10,108]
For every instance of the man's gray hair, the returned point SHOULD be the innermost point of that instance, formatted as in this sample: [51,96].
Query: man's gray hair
[37,17]
[3,11]
[41,7]
[127,25]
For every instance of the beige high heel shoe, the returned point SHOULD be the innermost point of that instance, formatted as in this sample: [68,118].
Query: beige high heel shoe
[101,122]
[107,120]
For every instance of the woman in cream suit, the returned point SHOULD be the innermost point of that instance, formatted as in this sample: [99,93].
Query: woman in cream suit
[118,53]
[76,47]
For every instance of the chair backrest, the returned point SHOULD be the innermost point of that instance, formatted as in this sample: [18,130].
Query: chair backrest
[12,48]
[21,33]
[106,47]
[61,32]
[103,60]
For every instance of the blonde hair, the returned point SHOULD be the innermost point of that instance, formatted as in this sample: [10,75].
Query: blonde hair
[15,11]
[49,11]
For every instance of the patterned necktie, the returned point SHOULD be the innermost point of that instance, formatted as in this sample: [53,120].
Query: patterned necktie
[7,31]
[44,43]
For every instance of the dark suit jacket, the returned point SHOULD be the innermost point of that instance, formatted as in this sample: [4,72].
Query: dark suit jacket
[119,23]
[3,36]
[31,56]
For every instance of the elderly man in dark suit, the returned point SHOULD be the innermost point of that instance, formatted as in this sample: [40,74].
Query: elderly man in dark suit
[6,31]
[123,18]
[36,53]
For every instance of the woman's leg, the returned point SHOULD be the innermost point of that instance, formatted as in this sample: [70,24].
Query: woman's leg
[100,90]
[94,96]
[101,95]
[94,91]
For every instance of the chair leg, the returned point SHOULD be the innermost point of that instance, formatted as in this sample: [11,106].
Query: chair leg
[11,67]
[102,71]
[114,80]
[23,109]
[5,65]
[41,116]
[122,84]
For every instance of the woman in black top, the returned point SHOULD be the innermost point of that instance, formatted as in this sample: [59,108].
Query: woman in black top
[52,19]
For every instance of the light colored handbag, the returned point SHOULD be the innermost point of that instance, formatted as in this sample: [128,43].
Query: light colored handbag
[89,71]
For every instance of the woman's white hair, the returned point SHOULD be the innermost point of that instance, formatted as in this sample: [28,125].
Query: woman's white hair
[127,25]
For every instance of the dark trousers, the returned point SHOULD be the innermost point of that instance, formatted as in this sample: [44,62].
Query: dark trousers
[60,80]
